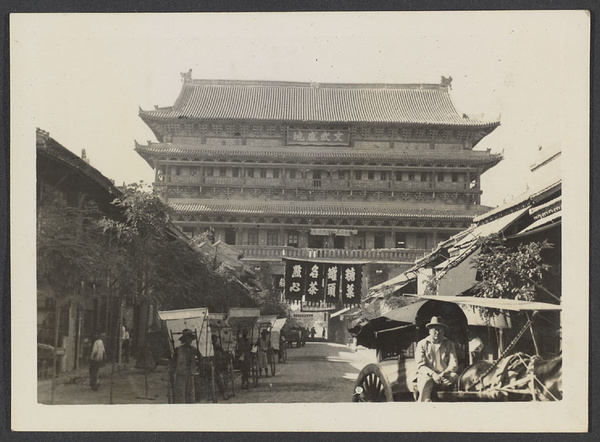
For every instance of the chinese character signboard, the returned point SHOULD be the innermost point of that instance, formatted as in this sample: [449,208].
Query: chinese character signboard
[314,283]
[351,284]
[295,280]
[322,285]
[318,137]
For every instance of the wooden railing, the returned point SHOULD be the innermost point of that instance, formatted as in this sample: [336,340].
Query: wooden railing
[325,184]
[276,253]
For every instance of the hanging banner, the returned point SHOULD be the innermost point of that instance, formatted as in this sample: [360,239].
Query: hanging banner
[314,283]
[332,287]
[295,280]
[351,282]
[279,282]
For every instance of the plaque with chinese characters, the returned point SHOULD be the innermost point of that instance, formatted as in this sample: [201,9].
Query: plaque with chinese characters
[318,137]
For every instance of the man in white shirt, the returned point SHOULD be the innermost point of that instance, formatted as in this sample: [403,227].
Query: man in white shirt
[436,361]
[97,360]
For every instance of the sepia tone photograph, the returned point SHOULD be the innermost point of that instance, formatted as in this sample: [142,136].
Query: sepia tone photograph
[266,221]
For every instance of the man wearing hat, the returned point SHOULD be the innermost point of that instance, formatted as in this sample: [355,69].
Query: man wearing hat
[184,366]
[263,345]
[436,361]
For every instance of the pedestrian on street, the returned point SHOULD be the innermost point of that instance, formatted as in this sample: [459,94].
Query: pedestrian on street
[313,332]
[97,360]
[243,350]
[323,334]
[436,361]
[125,343]
[263,345]
[184,366]
[220,362]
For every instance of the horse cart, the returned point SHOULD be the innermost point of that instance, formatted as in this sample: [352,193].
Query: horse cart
[502,372]
[240,319]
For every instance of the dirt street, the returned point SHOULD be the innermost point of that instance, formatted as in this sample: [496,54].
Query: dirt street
[318,372]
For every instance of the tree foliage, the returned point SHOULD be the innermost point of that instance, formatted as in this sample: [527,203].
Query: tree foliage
[512,273]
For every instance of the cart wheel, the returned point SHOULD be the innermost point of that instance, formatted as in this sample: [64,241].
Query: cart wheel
[271,360]
[254,372]
[372,386]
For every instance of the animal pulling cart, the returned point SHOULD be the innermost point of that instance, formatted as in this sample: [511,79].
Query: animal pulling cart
[510,377]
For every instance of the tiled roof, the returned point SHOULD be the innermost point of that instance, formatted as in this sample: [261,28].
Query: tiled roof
[423,104]
[331,210]
[338,155]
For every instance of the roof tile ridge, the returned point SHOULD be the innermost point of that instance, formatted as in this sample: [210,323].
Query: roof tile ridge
[315,85]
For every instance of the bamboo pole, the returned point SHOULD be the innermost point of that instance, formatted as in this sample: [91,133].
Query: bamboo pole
[56,328]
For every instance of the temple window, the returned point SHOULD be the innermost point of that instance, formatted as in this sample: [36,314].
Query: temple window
[250,173]
[272,238]
[357,175]
[423,176]
[235,172]
[263,173]
[440,177]
[208,171]
[400,240]
[371,175]
[398,176]
[379,241]
[292,174]
[383,176]
[275,173]
[222,171]
[253,237]
[292,239]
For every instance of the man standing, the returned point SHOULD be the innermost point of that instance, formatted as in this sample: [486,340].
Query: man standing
[97,360]
[436,361]
[184,366]
[243,352]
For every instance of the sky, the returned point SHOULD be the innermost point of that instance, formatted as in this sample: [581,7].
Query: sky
[83,77]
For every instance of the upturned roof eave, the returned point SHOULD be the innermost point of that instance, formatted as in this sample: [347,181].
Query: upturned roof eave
[478,125]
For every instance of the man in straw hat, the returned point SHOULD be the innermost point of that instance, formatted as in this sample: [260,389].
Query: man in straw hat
[436,361]
[184,366]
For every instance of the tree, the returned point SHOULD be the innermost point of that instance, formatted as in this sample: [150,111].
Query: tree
[512,273]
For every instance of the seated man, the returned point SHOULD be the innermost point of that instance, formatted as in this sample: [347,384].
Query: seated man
[436,361]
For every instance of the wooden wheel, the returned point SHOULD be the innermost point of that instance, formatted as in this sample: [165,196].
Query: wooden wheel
[271,360]
[372,386]
[213,382]
[254,370]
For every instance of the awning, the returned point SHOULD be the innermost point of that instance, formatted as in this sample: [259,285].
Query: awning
[339,312]
[496,226]
[497,303]
[550,219]
[405,314]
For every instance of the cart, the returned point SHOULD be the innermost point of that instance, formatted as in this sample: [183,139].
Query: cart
[220,328]
[266,323]
[511,377]
[278,339]
[197,320]
[240,319]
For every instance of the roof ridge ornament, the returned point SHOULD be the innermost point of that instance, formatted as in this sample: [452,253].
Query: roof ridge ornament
[186,76]
[446,82]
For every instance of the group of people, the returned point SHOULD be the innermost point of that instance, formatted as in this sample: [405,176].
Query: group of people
[186,366]
[244,355]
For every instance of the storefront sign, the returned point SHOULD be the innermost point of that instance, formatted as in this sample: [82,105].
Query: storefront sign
[318,137]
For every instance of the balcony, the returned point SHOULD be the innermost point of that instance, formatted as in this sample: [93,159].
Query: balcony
[324,184]
[275,253]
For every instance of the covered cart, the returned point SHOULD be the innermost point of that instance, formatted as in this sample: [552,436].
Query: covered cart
[223,359]
[240,319]
[265,323]
[512,376]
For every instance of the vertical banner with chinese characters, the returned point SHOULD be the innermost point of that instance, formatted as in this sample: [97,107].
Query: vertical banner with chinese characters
[351,281]
[295,280]
[332,287]
[314,283]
